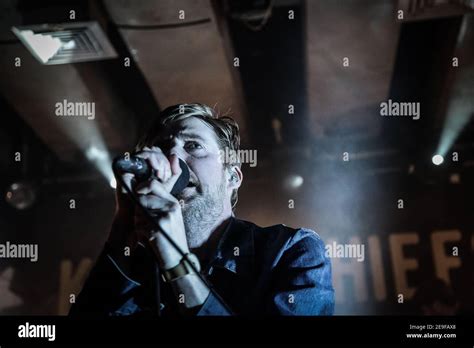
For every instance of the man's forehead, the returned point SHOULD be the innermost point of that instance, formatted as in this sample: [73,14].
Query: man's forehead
[191,127]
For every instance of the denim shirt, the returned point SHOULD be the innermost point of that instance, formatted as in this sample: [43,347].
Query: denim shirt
[257,271]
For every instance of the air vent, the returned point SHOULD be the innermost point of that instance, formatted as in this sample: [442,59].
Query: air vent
[66,43]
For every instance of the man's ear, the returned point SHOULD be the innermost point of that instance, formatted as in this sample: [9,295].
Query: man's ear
[235,177]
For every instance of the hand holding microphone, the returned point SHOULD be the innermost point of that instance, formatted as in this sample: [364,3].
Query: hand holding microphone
[154,179]
[143,171]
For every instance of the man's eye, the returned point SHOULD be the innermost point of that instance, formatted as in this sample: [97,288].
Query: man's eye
[192,145]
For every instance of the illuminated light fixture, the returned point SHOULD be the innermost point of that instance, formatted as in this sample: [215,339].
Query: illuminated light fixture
[293,181]
[20,195]
[66,42]
[437,160]
[100,158]
[113,183]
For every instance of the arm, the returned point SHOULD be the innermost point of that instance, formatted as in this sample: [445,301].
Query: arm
[202,302]
[106,289]
[190,292]
[302,282]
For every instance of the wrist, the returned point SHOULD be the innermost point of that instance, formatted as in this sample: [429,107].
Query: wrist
[188,265]
[171,259]
[170,263]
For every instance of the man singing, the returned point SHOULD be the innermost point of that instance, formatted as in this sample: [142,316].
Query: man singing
[274,270]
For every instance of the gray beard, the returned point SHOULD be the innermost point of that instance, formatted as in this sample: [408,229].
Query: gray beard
[201,214]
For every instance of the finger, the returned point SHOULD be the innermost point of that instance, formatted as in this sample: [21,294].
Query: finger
[155,203]
[164,165]
[155,197]
[127,180]
[175,170]
[156,188]
[157,160]
[167,173]
[143,186]
[174,165]
[150,158]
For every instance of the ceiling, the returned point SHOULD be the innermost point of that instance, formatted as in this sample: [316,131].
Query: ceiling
[185,51]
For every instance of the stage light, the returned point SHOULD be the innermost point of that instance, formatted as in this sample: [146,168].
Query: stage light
[100,158]
[294,181]
[73,42]
[20,195]
[459,110]
[113,183]
[95,154]
[437,160]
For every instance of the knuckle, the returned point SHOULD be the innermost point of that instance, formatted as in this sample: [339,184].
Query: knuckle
[175,206]
[127,177]
[142,187]
[143,201]
[154,185]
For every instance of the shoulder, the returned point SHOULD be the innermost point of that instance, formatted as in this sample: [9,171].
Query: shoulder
[280,233]
[299,242]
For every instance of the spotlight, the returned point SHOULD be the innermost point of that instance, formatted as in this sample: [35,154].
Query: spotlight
[113,183]
[437,160]
[20,195]
[95,154]
[100,158]
[294,181]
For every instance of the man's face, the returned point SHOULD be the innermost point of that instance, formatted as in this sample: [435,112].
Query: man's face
[196,144]
[208,192]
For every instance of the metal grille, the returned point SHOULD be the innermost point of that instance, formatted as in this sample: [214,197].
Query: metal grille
[81,42]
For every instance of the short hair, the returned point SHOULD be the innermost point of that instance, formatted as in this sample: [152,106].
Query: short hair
[224,126]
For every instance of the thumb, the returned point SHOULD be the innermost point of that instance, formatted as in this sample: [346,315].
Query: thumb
[175,171]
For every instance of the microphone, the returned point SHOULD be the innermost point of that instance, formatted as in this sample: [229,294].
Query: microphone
[142,170]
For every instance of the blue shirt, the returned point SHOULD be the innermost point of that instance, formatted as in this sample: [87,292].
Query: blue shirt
[274,270]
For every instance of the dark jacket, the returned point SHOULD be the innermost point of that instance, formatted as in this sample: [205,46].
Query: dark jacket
[275,270]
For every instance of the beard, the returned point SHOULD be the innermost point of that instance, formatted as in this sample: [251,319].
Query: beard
[202,211]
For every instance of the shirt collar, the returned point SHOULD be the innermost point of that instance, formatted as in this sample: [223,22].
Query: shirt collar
[235,249]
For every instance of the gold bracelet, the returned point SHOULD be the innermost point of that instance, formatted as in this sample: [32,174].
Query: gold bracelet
[182,269]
